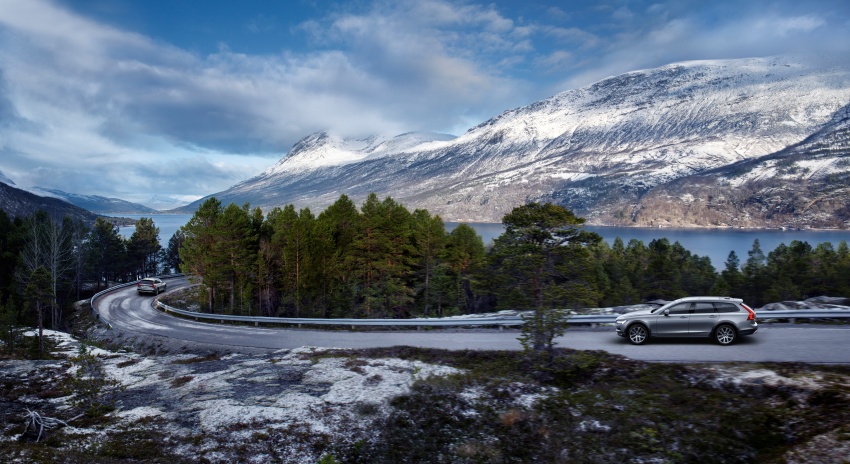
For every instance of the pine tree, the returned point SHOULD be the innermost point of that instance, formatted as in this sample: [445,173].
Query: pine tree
[429,241]
[234,251]
[106,251]
[663,277]
[536,258]
[143,248]
[39,295]
[732,276]
[197,250]
[172,251]
[333,237]
[465,256]
[292,236]
[382,253]
[754,275]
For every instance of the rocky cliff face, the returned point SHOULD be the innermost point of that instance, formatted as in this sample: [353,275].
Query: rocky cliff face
[621,151]
[804,185]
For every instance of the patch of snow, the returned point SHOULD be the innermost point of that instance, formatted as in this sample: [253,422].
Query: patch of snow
[140,413]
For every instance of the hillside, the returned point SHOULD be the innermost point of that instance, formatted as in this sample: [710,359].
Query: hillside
[805,185]
[20,203]
[97,204]
[17,202]
[599,150]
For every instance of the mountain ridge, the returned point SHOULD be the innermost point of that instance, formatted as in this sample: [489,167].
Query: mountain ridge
[96,203]
[21,203]
[598,149]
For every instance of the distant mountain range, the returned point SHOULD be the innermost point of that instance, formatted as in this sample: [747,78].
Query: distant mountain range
[20,203]
[756,142]
[17,202]
[96,204]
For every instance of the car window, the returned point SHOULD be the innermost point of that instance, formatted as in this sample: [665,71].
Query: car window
[703,308]
[681,308]
[726,308]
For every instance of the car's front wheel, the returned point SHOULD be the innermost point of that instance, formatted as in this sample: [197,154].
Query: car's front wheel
[725,335]
[637,334]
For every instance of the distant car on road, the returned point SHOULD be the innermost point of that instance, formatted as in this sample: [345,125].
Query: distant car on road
[723,319]
[151,285]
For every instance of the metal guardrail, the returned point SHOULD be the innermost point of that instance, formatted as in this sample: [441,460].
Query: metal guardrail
[415,322]
[804,314]
[502,321]
[470,321]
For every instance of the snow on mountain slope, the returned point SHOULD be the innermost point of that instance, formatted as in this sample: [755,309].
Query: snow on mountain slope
[94,203]
[597,149]
[323,149]
[804,185]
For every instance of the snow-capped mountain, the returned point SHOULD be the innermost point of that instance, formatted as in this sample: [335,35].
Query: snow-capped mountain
[598,150]
[805,185]
[16,202]
[95,203]
[161,202]
[323,150]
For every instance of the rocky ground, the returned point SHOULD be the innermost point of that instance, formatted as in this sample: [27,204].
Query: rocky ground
[132,400]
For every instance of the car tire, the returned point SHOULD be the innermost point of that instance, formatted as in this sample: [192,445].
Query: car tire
[637,334]
[725,334]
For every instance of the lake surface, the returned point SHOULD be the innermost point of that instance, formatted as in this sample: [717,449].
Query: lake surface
[714,243]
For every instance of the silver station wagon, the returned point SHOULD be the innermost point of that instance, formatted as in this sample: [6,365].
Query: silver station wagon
[151,285]
[723,319]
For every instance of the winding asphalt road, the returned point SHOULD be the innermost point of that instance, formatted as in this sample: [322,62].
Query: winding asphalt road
[124,310]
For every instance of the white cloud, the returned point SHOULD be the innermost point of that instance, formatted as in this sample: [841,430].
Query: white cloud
[687,37]
[78,96]
[99,96]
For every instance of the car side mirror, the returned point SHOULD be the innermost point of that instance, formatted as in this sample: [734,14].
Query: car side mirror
[666,312]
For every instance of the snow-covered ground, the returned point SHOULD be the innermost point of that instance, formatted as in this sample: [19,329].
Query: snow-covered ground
[216,396]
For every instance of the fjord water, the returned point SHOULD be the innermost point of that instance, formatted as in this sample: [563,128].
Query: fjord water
[714,243]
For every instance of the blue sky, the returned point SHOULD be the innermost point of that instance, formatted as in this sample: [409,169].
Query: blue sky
[135,98]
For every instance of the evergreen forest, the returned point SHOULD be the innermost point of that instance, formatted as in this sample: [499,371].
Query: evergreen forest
[381,260]
[47,265]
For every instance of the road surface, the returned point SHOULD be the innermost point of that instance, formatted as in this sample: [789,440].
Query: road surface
[123,309]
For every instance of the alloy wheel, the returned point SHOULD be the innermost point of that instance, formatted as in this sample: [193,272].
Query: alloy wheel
[725,335]
[637,334]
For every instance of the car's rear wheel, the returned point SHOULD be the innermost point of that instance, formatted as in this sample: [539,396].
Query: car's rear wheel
[725,335]
[638,334]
